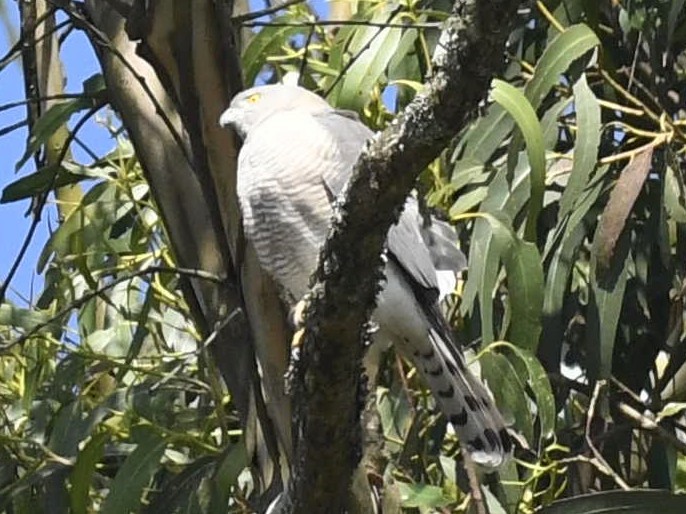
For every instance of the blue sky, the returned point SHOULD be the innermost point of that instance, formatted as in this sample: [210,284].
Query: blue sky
[80,63]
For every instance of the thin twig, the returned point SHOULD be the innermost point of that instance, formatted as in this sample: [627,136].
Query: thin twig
[87,149]
[14,51]
[352,61]
[632,71]
[306,53]
[265,12]
[42,200]
[200,350]
[64,96]
[339,23]
[102,39]
[11,128]
[79,302]
[598,457]
[650,425]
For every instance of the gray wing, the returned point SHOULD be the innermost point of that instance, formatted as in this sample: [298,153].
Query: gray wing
[420,246]
[350,135]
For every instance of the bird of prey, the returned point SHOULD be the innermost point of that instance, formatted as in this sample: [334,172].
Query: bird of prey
[297,155]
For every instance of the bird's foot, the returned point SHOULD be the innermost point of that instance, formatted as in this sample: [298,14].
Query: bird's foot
[296,318]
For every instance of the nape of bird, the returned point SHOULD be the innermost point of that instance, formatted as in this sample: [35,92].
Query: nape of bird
[297,155]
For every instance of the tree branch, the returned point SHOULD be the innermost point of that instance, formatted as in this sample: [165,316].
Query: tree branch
[327,382]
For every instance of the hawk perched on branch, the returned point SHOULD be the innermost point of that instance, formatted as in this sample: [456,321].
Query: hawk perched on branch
[297,156]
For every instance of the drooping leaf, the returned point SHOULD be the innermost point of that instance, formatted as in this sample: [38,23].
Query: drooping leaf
[423,496]
[620,502]
[135,473]
[586,145]
[487,134]
[608,287]
[619,206]
[266,42]
[509,390]
[492,234]
[525,284]
[486,257]
[40,182]
[56,116]
[514,102]
[81,475]
[566,48]
[372,49]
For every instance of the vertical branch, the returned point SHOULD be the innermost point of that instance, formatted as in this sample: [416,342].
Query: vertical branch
[50,83]
[327,383]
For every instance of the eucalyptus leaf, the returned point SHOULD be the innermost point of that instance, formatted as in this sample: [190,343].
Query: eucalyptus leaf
[135,473]
[586,145]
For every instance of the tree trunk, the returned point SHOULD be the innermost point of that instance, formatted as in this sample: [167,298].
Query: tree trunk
[170,71]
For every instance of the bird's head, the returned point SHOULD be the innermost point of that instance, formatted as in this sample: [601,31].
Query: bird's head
[252,106]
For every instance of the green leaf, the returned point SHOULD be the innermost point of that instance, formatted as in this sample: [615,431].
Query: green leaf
[39,182]
[396,415]
[403,66]
[26,319]
[468,171]
[566,48]
[531,374]
[509,389]
[177,495]
[234,461]
[468,201]
[266,42]
[506,197]
[486,135]
[606,306]
[56,116]
[81,475]
[86,226]
[422,496]
[586,145]
[94,85]
[674,192]
[524,115]
[525,285]
[484,261]
[620,502]
[372,50]
[69,428]
[542,391]
[568,237]
[135,473]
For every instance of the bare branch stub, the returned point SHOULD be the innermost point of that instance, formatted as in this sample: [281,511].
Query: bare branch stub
[327,385]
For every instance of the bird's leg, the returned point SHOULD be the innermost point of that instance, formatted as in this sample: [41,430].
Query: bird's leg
[474,484]
[296,318]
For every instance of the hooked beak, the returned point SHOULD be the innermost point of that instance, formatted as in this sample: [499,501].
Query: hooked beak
[232,118]
[228,118]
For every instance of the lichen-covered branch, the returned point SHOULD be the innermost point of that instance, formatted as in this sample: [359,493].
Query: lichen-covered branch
[327,387]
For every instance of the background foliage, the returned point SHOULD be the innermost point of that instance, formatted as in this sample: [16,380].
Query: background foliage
[568,191]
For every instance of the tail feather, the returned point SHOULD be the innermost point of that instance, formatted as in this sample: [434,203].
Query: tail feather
[464,401]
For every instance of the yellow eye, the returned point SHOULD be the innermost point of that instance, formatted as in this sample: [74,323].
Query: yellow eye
[254,98]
